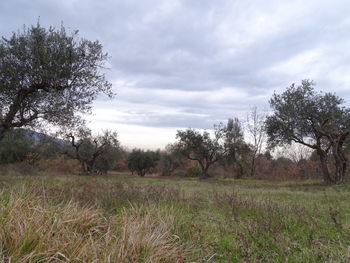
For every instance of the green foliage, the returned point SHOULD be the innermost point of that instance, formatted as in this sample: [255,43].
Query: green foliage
[48,76]
[235,141]
[48,148]
[15,147]
[170,160]
[21,145]
[267,155]
[141,161]
[226,144]
[96,154]
[301,113]
[316,120]
[193,172]
[107,160]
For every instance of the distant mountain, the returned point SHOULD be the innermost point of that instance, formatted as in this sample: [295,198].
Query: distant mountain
[39,136]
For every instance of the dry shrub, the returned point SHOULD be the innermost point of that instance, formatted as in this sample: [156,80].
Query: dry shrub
[122,165]
[59,165]
[56,166]
[34,230]
[21,168]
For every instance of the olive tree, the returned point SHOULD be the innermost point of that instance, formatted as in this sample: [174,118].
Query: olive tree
[170,160]
[207,149]
[96,154]
[142,162]
[238,148]
[47,76]
[314,119]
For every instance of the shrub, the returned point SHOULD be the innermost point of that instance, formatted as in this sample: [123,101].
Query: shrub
[59,165]
[15,147]
[142,162]
[193,172]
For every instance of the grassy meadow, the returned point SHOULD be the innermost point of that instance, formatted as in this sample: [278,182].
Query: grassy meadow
[124,218]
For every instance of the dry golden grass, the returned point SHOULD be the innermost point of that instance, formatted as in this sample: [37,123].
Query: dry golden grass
[35,230]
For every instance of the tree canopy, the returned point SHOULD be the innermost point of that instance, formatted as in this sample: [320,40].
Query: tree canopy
[317,120]
[48,76]
[142,162]
[206,149]
[97,153]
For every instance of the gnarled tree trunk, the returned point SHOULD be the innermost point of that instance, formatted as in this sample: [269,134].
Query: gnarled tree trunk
[2,133]
[324,167]
[340,161]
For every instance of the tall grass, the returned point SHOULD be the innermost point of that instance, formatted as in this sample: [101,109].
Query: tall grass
[34,230]
[130,219]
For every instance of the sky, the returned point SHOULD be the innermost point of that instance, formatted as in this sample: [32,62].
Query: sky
[193,63]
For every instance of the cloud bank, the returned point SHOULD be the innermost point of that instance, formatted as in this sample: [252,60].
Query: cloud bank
[177,64]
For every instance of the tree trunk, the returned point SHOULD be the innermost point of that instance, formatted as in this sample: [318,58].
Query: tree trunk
[324,168]
[340,165]
[2,133]
[239,170]
[253,165]
[91,167]
[83,168]
[142,172]
[204,169]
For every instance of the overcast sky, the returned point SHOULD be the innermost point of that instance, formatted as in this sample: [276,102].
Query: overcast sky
[193,63]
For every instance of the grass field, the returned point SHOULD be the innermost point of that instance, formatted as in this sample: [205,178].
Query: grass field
[123,218]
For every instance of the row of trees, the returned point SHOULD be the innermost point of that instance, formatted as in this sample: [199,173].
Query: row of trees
[301,115]
[49,77]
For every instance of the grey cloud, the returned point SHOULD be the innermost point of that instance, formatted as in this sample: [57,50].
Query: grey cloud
[176,61]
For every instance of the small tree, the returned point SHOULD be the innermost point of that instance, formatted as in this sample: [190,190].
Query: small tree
[47,76]
[207,150]
[316,120]
[170,160]
[238,149]
[95,153]
[256,131]
[142,162]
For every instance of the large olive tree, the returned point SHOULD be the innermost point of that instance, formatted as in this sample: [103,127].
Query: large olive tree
[48,76]
[314,119]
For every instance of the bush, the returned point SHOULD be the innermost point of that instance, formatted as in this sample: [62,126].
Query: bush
[142,162]
[193,172]
[59,165]
[15,147]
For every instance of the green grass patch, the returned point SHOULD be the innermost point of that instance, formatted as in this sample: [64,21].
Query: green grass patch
[199,220]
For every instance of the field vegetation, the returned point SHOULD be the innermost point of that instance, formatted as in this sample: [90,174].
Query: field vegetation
[124,218]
